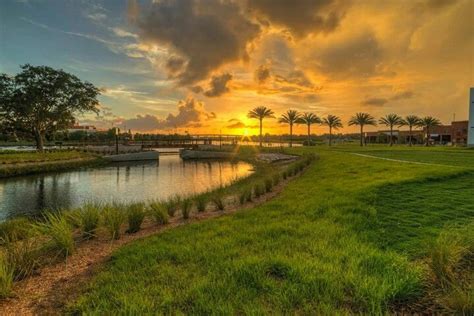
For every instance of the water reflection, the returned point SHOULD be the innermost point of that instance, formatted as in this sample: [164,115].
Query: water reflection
[123,182]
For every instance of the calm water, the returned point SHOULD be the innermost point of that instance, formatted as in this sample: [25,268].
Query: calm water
[124,182]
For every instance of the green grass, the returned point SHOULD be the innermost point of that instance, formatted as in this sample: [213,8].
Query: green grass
[351,235]
[33,156]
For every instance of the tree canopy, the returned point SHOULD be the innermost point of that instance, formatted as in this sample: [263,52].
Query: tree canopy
[41,100]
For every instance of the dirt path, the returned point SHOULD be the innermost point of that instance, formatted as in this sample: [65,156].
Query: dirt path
[54,286]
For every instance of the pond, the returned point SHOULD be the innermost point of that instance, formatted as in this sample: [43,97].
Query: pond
[123,182]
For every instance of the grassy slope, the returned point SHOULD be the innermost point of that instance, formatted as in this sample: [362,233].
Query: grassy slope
[20,163]
[329,243]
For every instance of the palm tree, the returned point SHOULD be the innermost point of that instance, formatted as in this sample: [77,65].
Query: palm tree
[290,117]
[427,123]
[411,121]
[333,122]
[362,119]
[309,119]
[391,120]
[260,113]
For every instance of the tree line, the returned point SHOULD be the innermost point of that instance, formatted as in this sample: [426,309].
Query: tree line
[333,122]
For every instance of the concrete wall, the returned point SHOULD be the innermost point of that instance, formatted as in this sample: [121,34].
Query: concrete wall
[470,138]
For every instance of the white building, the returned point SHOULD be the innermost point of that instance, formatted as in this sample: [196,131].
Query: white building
[470,137]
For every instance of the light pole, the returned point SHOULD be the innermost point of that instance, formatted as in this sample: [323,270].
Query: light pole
[117,131]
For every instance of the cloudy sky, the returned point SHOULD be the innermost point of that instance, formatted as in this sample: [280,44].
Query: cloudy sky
[200,65]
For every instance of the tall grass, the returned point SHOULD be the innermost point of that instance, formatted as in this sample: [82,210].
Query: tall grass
[245,195]
[259,190]
[57,227]
[158,212]
[112,219]
[268,184]
[15,229]
[186,205]
[135,216]
[218,201]
[6,277]
[201,203]
[23,257]
[172,205]
[87,219]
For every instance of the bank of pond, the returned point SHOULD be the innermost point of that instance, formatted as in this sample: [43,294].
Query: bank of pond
[28,244]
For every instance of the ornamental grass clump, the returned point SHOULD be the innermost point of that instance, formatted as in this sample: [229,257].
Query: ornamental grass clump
[276,179]
[245,196]
[87,219]
[23,257]
[57,227]
[172,205]
[201,203]
[6,277]
[259,190]
[15,229]
[186,205]
[218,201]
[158,211]
[135,217]
[268,185]
[112,218]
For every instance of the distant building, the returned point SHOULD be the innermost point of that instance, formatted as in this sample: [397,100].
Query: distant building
[456,134]
[89,129]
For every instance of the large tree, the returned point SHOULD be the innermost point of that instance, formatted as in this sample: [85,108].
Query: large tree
[391,120]
[411,121]
[309,119]
[260,113]
[427,123]
[291,117]
[40,100]
[333,122]
[362,119]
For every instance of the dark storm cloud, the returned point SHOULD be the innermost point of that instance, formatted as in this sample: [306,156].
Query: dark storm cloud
[358,56]
[375,101]
[218,85]
[191,113]
[207,34]
[301,17]
[262,74]
[175,65]
[407,94]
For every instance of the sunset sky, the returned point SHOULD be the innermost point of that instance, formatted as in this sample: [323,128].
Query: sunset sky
[200,65]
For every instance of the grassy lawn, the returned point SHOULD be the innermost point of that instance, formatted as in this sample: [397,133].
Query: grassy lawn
[348,236]
[11,157]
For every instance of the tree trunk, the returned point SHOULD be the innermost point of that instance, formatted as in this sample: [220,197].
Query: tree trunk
[309,134]
[330,136]
[411,138]
[291,135]
[39,140]
[361,135]
[427,137]
[260,132]
[391,136]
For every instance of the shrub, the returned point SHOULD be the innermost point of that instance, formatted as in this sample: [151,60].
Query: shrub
[268,185]
[15,229]
[159,213]
[57,227]
[87,219]
[172,205]
[259,190]
[113,218]
[6,277]
[135,216]
[186,206]
[201,203]
[218,201]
